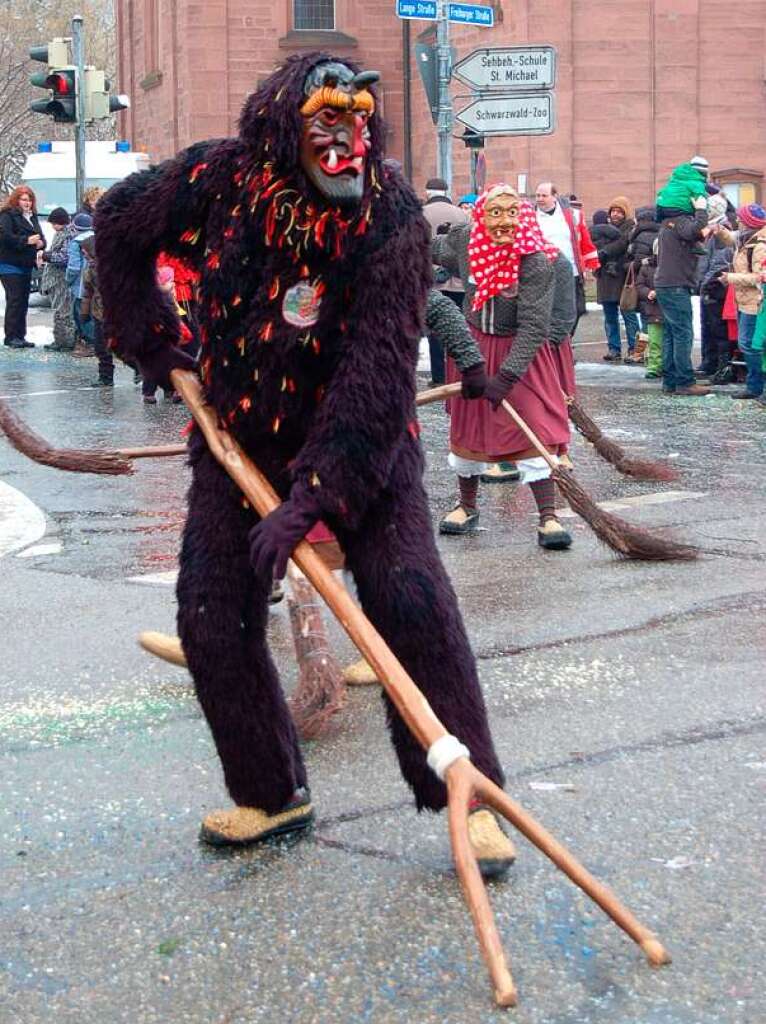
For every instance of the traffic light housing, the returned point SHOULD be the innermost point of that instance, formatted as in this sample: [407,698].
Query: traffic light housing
[98,102]
[60,80]
[472,139]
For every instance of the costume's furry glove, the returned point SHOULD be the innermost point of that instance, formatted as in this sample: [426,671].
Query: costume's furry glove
[499,387]
[274,539]
[474,381]
[155,366]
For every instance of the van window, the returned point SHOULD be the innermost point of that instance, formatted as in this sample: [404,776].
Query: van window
[53,192]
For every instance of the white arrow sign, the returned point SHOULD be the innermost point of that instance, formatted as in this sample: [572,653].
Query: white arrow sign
[530,114]
[507,68]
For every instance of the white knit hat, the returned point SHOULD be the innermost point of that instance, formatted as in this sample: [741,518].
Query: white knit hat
[716,208]
[700,163]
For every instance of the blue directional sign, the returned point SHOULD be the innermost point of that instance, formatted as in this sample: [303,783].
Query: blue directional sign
[422,9]
[471,14]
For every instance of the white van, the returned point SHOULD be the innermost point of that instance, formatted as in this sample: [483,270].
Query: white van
[50,173]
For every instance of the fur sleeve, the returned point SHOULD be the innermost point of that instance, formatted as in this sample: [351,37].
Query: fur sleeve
[369,402]
[164,208]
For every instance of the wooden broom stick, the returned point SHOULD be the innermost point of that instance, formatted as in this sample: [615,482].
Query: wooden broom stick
[462,778]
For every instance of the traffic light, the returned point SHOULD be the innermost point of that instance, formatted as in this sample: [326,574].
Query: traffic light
[98,102]
[472,139]
[60,80]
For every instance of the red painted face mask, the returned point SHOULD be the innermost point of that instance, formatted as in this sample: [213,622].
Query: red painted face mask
[336,136]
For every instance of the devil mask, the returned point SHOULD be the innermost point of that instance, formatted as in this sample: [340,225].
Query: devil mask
[335,141]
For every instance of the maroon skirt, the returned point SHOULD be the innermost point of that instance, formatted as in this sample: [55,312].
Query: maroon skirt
[564,357]
[482,434]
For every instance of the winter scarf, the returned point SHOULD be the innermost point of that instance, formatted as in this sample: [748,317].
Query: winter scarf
[495,268]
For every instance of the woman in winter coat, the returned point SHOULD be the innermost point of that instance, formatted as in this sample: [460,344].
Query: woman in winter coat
[749,262]
[614,259]
[54,280]
[643,236]
[21,239]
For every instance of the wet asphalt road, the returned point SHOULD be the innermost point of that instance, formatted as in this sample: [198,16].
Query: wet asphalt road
[627,703]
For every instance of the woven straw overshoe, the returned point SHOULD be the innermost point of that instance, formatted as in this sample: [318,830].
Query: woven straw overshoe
[494,850]
[241,825]
[360,673]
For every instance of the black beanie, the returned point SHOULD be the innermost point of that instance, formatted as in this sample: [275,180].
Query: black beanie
[59,216]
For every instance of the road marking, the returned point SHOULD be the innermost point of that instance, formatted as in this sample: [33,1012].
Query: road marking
[54,548]
[638,501]
[154,579]
[21,522]
[58,391]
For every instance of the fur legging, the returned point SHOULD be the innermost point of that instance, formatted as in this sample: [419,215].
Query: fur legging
[403,589]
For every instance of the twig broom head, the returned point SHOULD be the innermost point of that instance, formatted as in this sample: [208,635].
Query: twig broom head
[73,460]
[626,540]
[641,469]
[321,692]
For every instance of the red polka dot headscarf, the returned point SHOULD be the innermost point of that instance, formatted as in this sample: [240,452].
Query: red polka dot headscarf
[495,268]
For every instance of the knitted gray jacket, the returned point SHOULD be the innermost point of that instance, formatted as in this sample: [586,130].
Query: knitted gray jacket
[447,325]
[563,308]
[525,315]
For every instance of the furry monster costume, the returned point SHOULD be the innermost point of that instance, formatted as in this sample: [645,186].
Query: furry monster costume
[315,265]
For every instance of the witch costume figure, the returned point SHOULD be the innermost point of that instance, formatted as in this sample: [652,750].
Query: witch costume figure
[507,268]
[315,265]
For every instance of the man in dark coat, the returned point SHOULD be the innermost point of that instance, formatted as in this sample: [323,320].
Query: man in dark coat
[315,266]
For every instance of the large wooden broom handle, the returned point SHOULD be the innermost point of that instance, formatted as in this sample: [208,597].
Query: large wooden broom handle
[462,778]
[409,701]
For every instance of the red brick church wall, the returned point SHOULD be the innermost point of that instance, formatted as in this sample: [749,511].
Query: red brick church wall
[641,86]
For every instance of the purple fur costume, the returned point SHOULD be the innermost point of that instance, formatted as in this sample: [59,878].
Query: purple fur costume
[326,407]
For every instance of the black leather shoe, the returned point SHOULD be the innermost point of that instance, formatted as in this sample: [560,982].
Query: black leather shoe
[744,394]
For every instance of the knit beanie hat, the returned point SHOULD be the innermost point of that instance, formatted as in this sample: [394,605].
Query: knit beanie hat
[622,204]
[716,208]
[752,216]
[83,221]
[600,217]
[58,216]
[700,163]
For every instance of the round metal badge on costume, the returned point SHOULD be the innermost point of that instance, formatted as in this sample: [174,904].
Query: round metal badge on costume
[300,306]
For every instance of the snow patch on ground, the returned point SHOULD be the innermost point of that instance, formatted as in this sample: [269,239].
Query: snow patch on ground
[21,522]
[40,335]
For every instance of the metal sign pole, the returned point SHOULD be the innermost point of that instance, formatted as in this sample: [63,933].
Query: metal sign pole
[79,131]
[444,57]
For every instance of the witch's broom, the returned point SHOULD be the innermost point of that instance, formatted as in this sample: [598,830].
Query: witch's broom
[641,469]
[446,755]
[626,540]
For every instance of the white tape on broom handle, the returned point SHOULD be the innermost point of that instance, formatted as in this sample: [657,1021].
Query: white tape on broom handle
[444,752]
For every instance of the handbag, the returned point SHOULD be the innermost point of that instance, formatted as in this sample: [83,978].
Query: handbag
[629,293]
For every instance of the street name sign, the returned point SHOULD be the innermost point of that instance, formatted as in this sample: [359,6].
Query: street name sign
[471,14]
[426,10]
[520,114]
[508,68]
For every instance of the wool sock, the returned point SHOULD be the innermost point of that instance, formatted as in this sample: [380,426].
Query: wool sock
[545,496]
[469,488]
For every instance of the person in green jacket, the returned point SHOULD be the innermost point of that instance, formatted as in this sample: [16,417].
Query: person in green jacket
[686,182]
